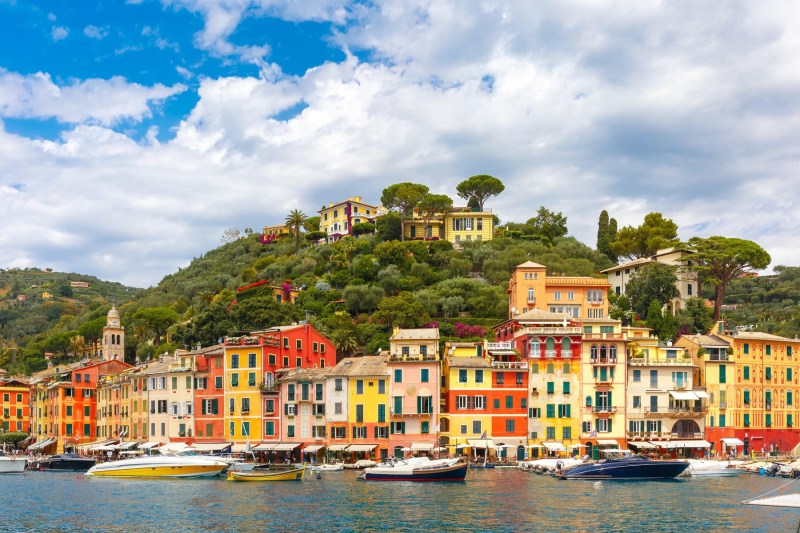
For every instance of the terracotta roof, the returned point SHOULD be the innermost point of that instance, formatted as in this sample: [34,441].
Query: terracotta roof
[530,264]
[467,362]
[543,316]
[415,334]
[366,365]
[759,336]
[707,340]
[307,374]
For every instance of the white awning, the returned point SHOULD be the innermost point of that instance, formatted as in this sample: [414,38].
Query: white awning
[240,448]
[683,395]
[361,447]
[313,448]
[265,446]
[732,441]
[481,443]
[95,443]
[555,446]
[125,445]
[535,446]
[174,447]
[148,445]
[337,447]
[42,444]
[462,446]
[285,446]
[607,442]
[210,446]
[103,448]
[671,444]
[421,446]
[700,393]
[644,445]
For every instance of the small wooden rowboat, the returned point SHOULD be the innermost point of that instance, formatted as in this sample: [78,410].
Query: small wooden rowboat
[293,474]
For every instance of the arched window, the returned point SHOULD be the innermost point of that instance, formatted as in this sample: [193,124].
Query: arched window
[603,353]
[588,401]
[534,348]
[594,352]
[269,379]
[550,347]
[612,352]
[531,296]
[566,347]
[118,341]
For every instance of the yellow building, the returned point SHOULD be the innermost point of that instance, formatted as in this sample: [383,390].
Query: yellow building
[752,382]
[458,225]
[15,408]
[337,220]
[271,234]
[603,385]
[577,296]
[466,392]
[244,375]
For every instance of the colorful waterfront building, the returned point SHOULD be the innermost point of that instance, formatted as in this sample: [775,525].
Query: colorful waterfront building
[751,378]
[303,428]
[459,224]
[15,406]
[209,394]
[466,388]
[364,431]
[252,364]
[414,368]
[66,402]
[549,344]
[337,220]
[603,385]
[665,408]
[577,296]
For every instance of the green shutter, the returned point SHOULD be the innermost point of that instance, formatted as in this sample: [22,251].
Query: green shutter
[789,397]
[747,372]
[610,401]
[419,405]
[747,396]
[567,411]
[609,425]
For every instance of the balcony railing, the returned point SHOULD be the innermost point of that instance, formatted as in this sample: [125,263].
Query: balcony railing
[413,357]
[503,345]
[604,360]
[676,412]
[660,361]
[551,331]
[604,409]
[510,365]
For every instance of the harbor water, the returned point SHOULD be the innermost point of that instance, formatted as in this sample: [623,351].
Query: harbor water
[490,500]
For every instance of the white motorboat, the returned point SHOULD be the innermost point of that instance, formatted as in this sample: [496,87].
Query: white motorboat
[160,466]
[11,464]
[417,469]
[328,467]
[708,468]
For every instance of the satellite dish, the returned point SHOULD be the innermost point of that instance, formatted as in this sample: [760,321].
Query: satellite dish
[513,309]
[669,343]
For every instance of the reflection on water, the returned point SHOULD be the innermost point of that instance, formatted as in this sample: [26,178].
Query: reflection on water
[490,500]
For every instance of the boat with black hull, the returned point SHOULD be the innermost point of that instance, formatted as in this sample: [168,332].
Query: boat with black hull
[627,467]
[67,461]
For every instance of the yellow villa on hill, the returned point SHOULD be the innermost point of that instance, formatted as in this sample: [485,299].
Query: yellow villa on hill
[337,220]
[460,224]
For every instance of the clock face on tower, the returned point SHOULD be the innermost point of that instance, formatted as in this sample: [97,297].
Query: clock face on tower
[114,322]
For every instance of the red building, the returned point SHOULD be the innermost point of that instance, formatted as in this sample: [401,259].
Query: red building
[209,394]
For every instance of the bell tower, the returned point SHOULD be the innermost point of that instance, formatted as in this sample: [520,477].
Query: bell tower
[113,337]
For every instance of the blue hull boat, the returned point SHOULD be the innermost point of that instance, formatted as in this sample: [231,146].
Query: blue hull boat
[627,468]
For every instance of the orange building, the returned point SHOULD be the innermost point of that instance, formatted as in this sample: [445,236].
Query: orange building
[209,394]
[14,403]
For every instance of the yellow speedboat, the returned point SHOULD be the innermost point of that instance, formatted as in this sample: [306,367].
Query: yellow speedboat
[292,474]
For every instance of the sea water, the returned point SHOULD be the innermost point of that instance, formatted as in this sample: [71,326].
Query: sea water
[489,500]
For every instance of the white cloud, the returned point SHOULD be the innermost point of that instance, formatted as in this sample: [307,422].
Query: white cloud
[95,32]
[578,106]
[94,100]
[59,33]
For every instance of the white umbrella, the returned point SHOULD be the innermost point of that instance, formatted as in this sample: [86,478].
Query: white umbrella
[462,446]
[406,449]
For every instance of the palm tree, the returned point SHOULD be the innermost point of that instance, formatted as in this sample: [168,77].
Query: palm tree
[294,221]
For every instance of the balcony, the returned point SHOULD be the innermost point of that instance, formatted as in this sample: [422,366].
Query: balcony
[504,345]
[615,336]
[510,365]
[660,361]
[412,357]
[603,409]
[677,412]
[603,361]
[551,331]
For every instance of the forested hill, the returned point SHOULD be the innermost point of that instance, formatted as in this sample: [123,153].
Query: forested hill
[351,290]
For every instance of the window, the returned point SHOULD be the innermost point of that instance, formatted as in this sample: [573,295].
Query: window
[462,402]
[251,379]
[788,397]
[381,386]
[476,427]
[520,378]
[567,432]
[398,375]
[531,295]
[509,402]
[382,432]
[551,410]
[299,345]
[480,402]
[462,375]
[722,421]
[269,428]
[174,383]
[398,428]
[637,402]
[272,358]
[746,398]
[746,420]
[285,361]
[290,392]
[551,433]
[604,425]
[788,375]
[234,379]
[424,405]
[245,405]
[722,380]
[551,387]
[637,376]
[510,425]
[654,379]
[479,376]
[286,342]
[381,412]
[304,392]
[339,432]
[337,385]
[424,375]
[767,373]
[398,405]
[337,408]
[359,413]
[566,387]
[359,386]
[290,431]
[235,360]
[534,412]
[218,382]
[746,372]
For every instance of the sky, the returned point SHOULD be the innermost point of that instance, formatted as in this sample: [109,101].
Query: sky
[134,133]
